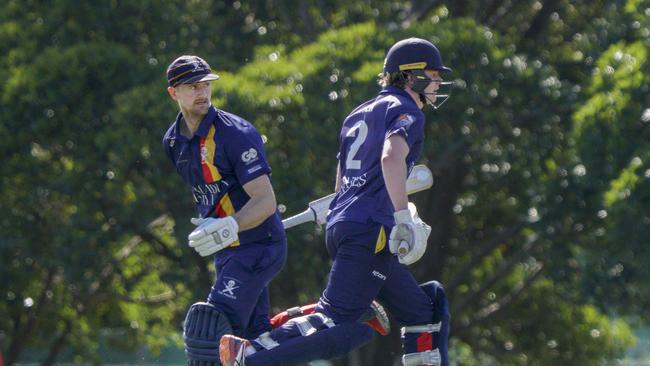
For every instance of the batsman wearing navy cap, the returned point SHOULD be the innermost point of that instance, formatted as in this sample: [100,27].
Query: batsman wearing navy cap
[221,158]
[373,232]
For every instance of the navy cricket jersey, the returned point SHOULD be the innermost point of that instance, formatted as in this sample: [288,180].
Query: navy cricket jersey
[363,193]
[225,153]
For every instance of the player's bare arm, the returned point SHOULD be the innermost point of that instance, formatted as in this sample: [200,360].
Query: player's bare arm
[393,164]
[260,206]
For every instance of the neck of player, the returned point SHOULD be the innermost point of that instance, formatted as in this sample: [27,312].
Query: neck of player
[190,123]
[415,96]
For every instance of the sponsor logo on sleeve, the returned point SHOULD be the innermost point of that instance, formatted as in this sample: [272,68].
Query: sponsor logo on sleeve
[249,156]
[254,169]
[405,119]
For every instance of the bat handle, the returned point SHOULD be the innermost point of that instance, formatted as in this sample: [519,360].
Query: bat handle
[298,219]
[403,248]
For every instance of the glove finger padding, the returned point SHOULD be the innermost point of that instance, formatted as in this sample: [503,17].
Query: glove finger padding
[401,233]
[197,242]
[420,232]
[197,221]
[419,246]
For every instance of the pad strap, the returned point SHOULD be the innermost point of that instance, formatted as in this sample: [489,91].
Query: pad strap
[306,328]
[427,328]
[296,310]
[266,341]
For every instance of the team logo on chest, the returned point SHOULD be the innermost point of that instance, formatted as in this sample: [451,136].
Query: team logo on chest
[204,153]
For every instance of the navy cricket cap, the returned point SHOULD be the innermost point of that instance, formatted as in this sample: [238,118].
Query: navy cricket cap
[188,69]
[413,54]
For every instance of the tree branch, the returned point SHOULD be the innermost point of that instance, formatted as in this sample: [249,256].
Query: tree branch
[501,271]
[483,250]
[496,308]
[422,10]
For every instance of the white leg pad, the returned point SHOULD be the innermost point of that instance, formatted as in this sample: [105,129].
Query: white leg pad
[422,358]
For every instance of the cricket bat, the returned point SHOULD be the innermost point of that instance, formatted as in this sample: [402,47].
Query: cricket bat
[420,179]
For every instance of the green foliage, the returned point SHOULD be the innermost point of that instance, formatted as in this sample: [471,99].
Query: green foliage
[611,133]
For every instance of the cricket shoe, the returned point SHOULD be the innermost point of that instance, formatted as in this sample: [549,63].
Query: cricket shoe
[232,350]
[377,318]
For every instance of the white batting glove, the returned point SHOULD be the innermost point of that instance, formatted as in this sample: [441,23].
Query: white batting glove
[408,238]
[213,235]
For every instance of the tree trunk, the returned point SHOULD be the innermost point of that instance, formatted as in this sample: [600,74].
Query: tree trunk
[540,21]
[57,345]
[21,334]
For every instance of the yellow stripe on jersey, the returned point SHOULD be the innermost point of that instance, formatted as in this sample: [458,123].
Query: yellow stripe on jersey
[225,205]
[208,149]
[381,240]
[225,208]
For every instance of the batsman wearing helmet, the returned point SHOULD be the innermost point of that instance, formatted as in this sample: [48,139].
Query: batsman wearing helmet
[373,232]
[221,157]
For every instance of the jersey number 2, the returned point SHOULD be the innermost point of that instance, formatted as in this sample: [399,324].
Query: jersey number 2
[361,135]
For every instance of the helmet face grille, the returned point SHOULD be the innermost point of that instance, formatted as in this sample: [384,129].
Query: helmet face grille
[438,98]
[435,99]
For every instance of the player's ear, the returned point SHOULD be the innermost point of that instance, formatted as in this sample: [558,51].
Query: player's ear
[172,92]
[410,79]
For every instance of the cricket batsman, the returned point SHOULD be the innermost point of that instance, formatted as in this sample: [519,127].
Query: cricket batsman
[221,158]
[372,234]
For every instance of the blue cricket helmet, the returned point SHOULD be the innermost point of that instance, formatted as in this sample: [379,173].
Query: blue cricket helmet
[413,54]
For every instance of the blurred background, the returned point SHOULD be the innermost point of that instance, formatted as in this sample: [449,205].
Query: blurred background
[540,208]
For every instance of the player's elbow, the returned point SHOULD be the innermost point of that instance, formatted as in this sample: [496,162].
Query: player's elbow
[391,160]
[395,149]
[265,204]
[270,205]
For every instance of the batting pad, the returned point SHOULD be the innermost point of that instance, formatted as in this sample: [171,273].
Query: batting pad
[203,327]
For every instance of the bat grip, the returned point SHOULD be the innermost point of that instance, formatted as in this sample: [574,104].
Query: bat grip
[301,218]
[403,248]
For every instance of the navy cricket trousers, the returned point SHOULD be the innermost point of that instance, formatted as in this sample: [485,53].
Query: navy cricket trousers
[363,269]
[241,286]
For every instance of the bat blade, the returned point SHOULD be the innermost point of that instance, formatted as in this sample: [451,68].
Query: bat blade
[419,180]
